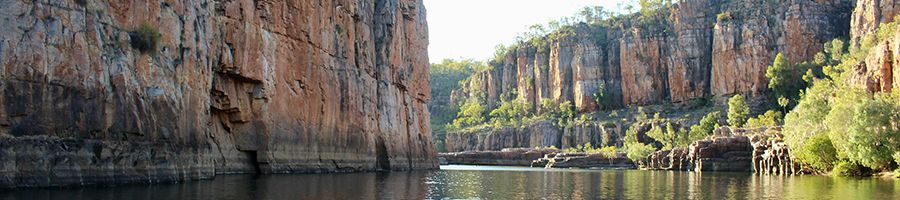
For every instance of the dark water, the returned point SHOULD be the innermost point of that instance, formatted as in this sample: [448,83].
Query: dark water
[482,182]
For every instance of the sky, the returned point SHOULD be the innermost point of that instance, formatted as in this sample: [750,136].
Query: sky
[461,29]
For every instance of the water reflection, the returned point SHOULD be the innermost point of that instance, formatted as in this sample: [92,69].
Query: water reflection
[456,182]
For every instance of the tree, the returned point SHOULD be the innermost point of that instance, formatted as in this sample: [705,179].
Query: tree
[784,102]
[770,119]
[862,128]
[707,125]
[738,110]
[471,113]
[604,101]
[806,122]
[610,152]
[638,152]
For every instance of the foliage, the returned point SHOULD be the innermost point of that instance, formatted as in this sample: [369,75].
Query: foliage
[444,77]
[673,137]
[818,152]
[862,127]
[724,16]
[604,100]
[806,122]
[786,80]
[738,111]
[609,151]
[638,152]
[770,119]
[849,168]
[707,125]
[145,38]
[565,114]
[509,112]
[471,113]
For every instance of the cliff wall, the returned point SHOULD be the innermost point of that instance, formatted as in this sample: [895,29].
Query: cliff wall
[702,49]
[233,87]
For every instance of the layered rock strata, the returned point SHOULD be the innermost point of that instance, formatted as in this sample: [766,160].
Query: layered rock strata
[538,134]
[583,160]
[232,87]
[505,157]
[705,49]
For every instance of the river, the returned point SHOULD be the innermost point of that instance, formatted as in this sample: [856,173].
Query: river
[490,182]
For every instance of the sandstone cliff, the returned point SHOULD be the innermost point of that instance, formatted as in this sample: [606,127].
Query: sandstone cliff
[704,48]
[234,86]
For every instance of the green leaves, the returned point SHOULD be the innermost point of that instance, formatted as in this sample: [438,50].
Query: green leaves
[738,111]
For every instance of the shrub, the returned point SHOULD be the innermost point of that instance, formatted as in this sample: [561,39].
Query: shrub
[604,100]
[707,125]
[638,152]
[471,113]
[145,38]
[862,127]
[849,168]
[738,110]
[724,16]
[769,119]
[818,152]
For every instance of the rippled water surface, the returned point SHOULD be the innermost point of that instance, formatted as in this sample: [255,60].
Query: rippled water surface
[485,182]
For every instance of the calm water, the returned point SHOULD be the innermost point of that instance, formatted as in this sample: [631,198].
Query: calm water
[482,182]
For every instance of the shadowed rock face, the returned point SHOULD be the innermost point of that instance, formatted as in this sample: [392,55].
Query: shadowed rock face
[233,87]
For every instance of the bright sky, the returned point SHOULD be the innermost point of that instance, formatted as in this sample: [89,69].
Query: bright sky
[471,28]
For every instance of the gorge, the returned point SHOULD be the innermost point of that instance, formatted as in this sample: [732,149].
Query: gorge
[603,74]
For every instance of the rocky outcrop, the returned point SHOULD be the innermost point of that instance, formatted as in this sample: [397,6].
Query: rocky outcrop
[505,157]
[583,160]
[772,156]
[706,49]
[876,72]
[868,15]
[749,34]
[233,87]
[674,159]
[728,150]
[538,134]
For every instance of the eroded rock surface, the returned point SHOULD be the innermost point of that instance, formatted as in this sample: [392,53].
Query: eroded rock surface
[233,87]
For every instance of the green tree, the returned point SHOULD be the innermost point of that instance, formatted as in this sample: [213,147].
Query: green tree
[805,122]
[784,103]
[638,152]
[471,113]
[510,112]
[863,128]
[738,111]
[705,128]
[604,100]
[770,119]
[610,152]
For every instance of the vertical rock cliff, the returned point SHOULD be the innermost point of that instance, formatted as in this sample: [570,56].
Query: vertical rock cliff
[694,51]
[234,86]
[702,48]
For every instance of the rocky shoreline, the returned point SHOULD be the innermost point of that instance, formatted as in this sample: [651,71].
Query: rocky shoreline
[760,151]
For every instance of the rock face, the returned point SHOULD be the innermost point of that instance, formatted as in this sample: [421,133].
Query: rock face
[868,16]
[706,48]
[674,159]
[772,156]
[728,150]
[505,157]
[583,160]
[233,87]
[539,134]
[876,72]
